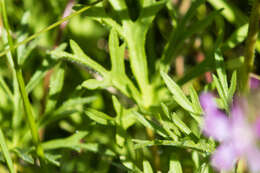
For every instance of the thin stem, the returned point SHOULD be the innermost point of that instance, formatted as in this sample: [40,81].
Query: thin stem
[46,29]
[29,113]
[20,80]
[67,11]
[249,53]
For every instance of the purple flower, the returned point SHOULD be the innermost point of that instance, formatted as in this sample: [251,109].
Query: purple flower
[237,137]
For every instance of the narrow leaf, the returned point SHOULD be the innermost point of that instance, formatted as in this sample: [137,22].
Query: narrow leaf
[221,92]
[189,144]
[195,99]
[233,85]
[179,123]
[175,166]
[165,110]
[178,95]
[99,117]
[6,153]
[24,155]
[56,84]
[150,124]
[52,158]
[147,167]
[39,75]
[116,53]
[221,73]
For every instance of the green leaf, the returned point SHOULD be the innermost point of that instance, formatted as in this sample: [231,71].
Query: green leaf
[147,167]
[207,65]
[150,8]
[168,127]
[72,142]
[191,12]
[44,30]
[179,123]
[23,51]
[197,27]
[149,124]
[196,71]
[166,110]
[186,143]
[24,155]
[119,6]
[116,53]
[99,117]
[56,85]
[143,121]
[195,99]
[230,12]
[221,92]
[52,158]
[93,84]
[6,89]
[237,37]
[6,153]
[178,95]
[67,108]
[99,14]
[233,85]
[38,75]
[97,148]
[117,106]
[179,34]
[79,57]
[204,168]
[196,159]
[235,63]
[175,166]
[222,76]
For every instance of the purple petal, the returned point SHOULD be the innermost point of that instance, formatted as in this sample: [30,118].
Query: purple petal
[216,123]
[224,157]
[257,127]
[253,157]
[217,126]
[237,114]
[242,136]
[208,103]
[242,133]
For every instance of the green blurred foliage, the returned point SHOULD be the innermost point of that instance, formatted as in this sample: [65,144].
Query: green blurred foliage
[109,95]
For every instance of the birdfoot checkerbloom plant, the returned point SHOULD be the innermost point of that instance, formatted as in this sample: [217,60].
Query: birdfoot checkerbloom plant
[237,136]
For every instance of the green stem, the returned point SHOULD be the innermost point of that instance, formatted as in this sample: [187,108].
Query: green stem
[249,53]
[29,113]
[20,80]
